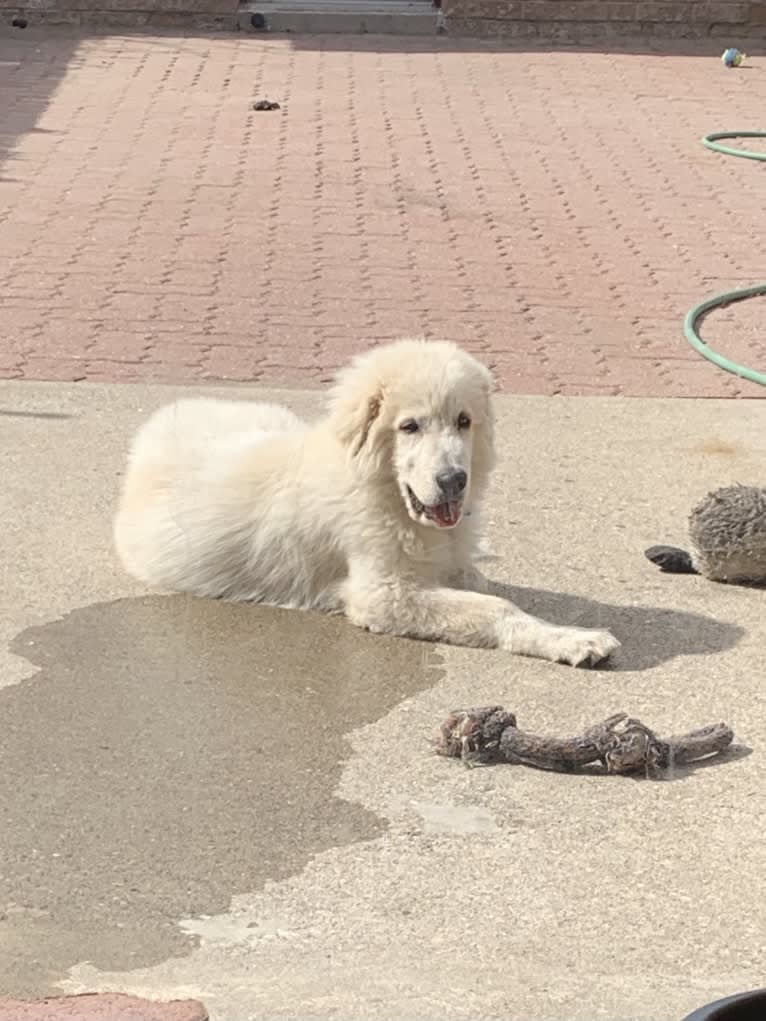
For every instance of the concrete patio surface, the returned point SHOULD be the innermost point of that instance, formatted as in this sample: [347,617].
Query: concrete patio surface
[553,211]
[240,805]
[237,810]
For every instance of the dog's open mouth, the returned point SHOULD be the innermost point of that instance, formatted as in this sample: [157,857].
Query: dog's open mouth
[443,515]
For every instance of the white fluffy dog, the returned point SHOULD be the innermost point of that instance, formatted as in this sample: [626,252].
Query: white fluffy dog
[371,512]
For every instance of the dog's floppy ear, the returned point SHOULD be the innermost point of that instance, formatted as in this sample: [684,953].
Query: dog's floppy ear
[357,411]
[356,407]
[354,420]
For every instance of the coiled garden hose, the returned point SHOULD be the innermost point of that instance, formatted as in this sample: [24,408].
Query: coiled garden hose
[712,141]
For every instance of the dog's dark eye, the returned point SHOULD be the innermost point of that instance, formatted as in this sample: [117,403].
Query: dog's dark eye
[409,426]
[463,421]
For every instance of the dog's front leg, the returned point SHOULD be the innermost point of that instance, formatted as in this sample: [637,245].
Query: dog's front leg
[389,606]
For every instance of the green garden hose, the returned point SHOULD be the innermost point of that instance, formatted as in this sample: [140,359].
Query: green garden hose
[695,314]
[711,141]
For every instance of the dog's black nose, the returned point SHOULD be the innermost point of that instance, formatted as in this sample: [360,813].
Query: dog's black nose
[452,482]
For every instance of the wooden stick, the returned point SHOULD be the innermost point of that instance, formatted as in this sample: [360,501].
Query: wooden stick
[621,744]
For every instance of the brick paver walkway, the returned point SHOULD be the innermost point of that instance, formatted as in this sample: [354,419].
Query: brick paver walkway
[555,212]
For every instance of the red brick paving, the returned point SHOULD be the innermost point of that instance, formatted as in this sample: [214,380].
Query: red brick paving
[100,1007]
[554,212]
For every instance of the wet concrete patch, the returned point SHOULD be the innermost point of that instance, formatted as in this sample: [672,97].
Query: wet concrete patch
[173,752]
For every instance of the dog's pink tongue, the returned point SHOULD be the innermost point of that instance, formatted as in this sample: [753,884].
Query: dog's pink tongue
[446,514]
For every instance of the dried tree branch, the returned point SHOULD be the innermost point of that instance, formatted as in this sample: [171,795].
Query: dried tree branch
[621,744]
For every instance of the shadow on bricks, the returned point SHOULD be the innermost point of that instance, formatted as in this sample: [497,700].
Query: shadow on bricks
[32,68]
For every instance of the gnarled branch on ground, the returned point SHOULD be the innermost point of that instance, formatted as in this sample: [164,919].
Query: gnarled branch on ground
[621,744]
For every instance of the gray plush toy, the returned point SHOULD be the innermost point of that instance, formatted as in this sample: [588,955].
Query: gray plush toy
[728,537]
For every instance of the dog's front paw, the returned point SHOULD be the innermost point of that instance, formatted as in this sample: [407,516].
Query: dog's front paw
[581,647]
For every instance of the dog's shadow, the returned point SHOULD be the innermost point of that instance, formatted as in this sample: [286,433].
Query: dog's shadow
[650,635]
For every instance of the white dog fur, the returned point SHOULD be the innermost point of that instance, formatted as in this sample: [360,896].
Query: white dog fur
[245,501]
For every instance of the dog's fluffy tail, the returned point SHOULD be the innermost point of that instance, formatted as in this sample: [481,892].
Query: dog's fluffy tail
[671,559]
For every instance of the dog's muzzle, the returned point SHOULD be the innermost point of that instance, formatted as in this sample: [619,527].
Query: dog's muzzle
[443,515]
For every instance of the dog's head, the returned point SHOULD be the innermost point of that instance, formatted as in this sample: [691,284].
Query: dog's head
[418,413]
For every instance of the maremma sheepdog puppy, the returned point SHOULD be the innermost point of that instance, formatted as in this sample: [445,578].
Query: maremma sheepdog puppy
[373,511]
